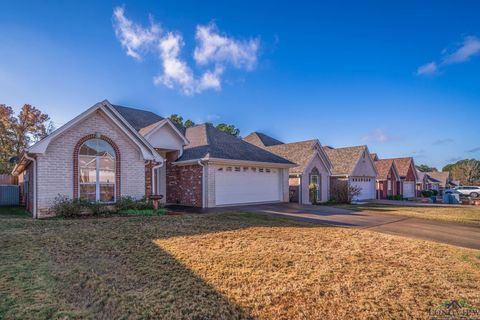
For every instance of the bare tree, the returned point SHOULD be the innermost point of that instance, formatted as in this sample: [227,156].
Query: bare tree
[468,172]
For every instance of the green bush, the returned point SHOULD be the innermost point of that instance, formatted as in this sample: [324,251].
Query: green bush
[427,193]
[434,193]
[127,203]
[144,212]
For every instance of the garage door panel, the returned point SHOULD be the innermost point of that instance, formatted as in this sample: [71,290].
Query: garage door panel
[367,186]
[232,187]
[408,189]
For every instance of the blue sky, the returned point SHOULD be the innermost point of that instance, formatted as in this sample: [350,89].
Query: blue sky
[401,77]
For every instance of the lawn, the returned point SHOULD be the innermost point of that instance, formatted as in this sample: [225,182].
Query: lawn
[223,266]
[464,214]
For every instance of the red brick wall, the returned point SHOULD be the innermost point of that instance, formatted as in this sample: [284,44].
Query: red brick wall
[148,178]
[184,184]
[383,191]
[410,175]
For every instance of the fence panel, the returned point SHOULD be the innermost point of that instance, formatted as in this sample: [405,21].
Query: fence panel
[9,195]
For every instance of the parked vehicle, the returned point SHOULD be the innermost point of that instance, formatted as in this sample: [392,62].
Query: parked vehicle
[472,191]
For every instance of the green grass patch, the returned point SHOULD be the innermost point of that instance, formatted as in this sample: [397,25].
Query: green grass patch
[14,211]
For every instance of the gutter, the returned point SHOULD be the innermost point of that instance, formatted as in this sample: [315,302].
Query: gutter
[35,214]
[158,166]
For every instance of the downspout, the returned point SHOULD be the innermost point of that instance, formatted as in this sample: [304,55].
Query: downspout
[203,183]
[158,166]
[35,214]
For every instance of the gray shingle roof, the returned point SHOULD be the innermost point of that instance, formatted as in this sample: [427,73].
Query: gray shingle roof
[261,140]
[206,141]
[442,177]
[140,119]
[345,159]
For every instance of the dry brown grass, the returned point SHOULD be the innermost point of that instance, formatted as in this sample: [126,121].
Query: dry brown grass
[466,214]
[228,266]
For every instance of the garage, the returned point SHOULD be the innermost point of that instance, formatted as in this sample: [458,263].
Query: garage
[240,185]
[367,186]
[408,189]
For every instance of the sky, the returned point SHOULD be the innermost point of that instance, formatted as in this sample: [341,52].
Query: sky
[402,77]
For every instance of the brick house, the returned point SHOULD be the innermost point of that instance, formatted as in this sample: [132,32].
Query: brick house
[388,178]
[110,151]
[313,165]
[407,185]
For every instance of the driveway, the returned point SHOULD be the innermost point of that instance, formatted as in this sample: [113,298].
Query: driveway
[443,232]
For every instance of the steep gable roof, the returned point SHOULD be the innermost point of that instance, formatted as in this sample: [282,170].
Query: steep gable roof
[344,160]
[441,177]
[142,120]
[298,152]
[208,142]
[374,157]
[261,140]
[403,165]
[384,167]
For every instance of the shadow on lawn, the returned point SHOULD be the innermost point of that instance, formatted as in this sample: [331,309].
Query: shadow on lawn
[110,268]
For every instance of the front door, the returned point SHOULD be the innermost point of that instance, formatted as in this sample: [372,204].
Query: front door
[315,180]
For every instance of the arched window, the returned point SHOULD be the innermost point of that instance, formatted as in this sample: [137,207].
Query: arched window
[96,159]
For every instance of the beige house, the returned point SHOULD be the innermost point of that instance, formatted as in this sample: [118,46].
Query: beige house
[313,165]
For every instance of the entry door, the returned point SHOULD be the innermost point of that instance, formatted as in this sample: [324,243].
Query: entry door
[315,180]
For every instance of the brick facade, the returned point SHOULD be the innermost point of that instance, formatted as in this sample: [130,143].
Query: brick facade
[382,186]
[148,178]
[184,184]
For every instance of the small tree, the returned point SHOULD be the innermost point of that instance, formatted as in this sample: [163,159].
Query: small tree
[342,192]
[175,118]
[189,123]
[228,128]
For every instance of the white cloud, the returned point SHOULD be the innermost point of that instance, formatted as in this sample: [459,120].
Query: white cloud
[379,135]
[212,47]
[470,47]
[428,69]
[134,38]
[213,53]
[175,71]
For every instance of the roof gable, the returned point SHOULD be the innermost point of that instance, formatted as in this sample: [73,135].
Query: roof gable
[301,153]
[261,140]
[208,142]
[384,167]
[440,177]
[345,160]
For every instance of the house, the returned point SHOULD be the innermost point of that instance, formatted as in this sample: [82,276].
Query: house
[408,176]
[313,166]
[355,166]
[422,182]
[388,178]
[109,151]
[439,181]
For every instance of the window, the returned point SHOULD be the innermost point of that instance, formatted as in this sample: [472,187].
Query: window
[237,169]
[97,171]
[220,169]
[245,169]
[260,170]
[267,170]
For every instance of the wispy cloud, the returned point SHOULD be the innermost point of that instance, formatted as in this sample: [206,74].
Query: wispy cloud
[214,52]
[428,69]
[461,53]
[442,142]
[477,149]
[379,135]
[133,37]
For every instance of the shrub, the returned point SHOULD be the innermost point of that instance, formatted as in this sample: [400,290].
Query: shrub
[126,203]
[144,212]
[99,209]
[342,192]
[313,193]
[427,193]
[66,207]
[434,193]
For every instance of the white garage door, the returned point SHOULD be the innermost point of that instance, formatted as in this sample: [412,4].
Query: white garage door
[367,186]
[236,185]
[408,189]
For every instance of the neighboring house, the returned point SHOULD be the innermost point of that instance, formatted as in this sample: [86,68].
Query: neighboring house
[313,165]
[388,178]
[439,181]
[408,176]
[355,166]
[110,151]
[422,182]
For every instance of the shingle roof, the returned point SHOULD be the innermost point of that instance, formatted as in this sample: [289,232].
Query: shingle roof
[383,168]
[374,157]
[297,152]
[206,141]
[403,165]
[441,177]
[141,119]
[261,140]
[345,159]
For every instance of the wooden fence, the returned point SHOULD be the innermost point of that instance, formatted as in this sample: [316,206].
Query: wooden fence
[6,179]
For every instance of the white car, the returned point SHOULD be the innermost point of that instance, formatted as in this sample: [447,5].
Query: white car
[472,191]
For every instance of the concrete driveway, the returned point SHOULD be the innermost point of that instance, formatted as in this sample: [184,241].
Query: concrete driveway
[444,232]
